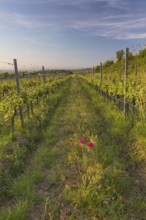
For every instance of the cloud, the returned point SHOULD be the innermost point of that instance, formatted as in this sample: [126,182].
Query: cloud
[24,21]
[39,42]
[107,18]
[10,20]
[132,36]
[17,19]
[111,3]
[112,26]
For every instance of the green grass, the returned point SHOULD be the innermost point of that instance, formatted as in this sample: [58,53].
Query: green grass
[90,181]
[110,132]
[68,180]
[21,190]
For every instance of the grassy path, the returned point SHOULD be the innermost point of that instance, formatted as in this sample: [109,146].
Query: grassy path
[86,183]
[73,180]
[71,122]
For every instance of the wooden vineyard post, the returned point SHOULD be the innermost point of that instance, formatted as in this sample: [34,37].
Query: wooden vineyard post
[28,111]
[18,90]
[17,76]
[31,107]
[13,125]
[93,75]
[101,77]
[125,83]
[121,74]
[44,78]
[136,70]
[100,73]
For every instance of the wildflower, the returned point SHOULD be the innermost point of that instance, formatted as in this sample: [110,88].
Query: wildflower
[82,141]
[90,144]
[65,217]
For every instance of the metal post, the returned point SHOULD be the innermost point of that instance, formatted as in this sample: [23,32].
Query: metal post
[126,77]
[44,75]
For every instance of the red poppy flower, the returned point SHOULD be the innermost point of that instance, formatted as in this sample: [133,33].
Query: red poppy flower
[90,144]
[82,141]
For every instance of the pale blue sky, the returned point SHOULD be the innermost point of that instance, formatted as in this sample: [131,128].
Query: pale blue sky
[69,33]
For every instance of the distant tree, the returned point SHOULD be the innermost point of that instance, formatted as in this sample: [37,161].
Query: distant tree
[108,63]
[142,53]
[130,55]
[6,75]
[97,68]
[119,55]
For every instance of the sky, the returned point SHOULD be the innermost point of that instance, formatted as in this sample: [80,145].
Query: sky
[69,33]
